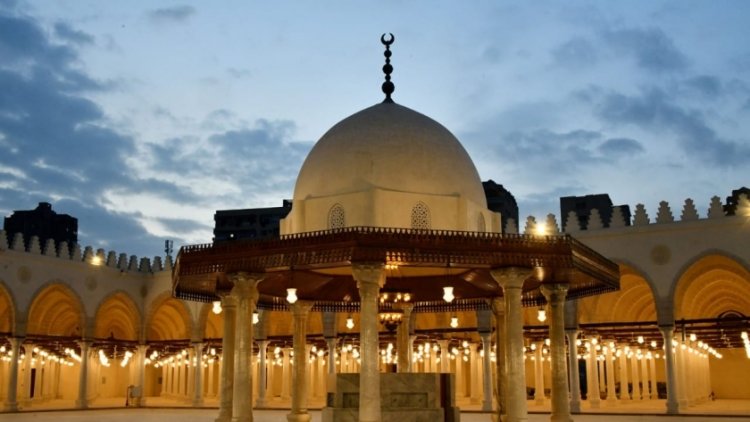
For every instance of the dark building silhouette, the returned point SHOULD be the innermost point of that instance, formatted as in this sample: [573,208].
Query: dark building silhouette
[501,200]
[582,206]
[251,223]
[43,223]
[733,200]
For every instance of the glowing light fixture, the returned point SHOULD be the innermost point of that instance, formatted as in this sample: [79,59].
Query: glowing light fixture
[96,260]
[693,337]
[217,307]
[541,315]
[448,294]
[454,321]
[540,229]
[256,318]
[291,295]
[349,322]
[653,344]
[640,340]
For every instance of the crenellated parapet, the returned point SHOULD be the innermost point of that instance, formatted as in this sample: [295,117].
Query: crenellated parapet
[664,215]
[89,256]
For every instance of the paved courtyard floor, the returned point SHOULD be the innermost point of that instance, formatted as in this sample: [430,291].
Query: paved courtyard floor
[160,409]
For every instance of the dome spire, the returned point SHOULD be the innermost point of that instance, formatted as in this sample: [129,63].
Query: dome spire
[388,86]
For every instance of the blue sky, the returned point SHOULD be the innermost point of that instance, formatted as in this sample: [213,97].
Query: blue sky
[141,118]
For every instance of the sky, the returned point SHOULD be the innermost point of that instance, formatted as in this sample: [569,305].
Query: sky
[142,118]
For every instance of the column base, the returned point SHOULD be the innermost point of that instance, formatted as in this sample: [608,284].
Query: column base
[486,406]
[197,402]
[575,406]
[539,402]
[82,404]
[10,407]
[672,408]
[611,402]
[560,418]
[261,402]
[298,417]
[595,403]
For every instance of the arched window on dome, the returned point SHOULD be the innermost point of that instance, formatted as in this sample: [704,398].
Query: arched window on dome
[481,225]
[336,217]
[420,217]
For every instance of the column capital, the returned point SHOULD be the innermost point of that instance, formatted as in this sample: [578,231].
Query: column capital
[228,300]
[498,306]
[369,273]
[246,284]
[301,308]
[511,277]
[555,292]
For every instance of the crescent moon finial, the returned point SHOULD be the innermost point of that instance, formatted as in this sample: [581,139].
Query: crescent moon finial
[387,42]
[388,86]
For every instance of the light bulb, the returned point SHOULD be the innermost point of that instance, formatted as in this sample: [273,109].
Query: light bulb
[217,307]
[256,318]
[640,340]
[291,295]
[448,294]
[541,315]
[454,321]
[350,322]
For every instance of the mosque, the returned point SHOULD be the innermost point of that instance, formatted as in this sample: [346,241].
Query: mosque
[392,291]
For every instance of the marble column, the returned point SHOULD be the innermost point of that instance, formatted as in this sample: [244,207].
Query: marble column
[445,360]
[593,377]
[501,380]
[370,278]
[226,382]
[623,361]
[11,400]
[645,378]
[246,291]
[210,392]
[262,373]
[460,378]
[575,388]
[331,344]
[140,399]
[286,373]
[473,371]
[403,348]
[538,374]
[667,331]
[26,383]
[198,377]
[511,280]
[610,369]
[652,380]
[635,376]
[486,338]
[298,412]
[83,376]
[555,296]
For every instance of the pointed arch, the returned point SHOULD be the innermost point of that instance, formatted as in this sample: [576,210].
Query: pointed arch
[710,285]
[634,302]
[117,316]
[7,310]
[168,319]
[56,310]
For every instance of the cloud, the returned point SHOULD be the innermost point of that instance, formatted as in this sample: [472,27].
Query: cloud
[616,147]
[172,14]
[706,86]
[653,110]
[67,33]
[576,53]
[651,48]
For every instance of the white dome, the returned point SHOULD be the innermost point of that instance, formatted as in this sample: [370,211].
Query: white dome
[389,147]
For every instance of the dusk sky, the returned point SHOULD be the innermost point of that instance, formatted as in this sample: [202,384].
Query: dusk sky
[142,118]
